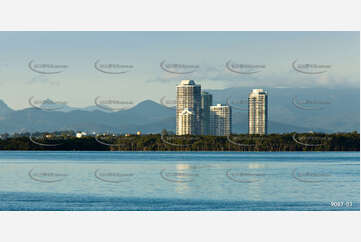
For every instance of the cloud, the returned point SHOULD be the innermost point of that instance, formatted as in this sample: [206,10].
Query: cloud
[221,76]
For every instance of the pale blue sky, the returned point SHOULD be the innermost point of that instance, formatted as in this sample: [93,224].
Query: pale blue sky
[80,83]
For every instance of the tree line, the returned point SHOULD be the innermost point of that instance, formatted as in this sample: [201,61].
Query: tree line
[169,142]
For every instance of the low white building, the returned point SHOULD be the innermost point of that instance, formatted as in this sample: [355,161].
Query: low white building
[80,135]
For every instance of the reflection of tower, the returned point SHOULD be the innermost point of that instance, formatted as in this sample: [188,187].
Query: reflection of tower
[189,97]
[183,170]
[206,102]
[220,120]
[254,190]
[258,112]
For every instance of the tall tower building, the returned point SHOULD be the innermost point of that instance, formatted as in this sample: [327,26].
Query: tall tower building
[220,120]
[206,103]
[258,112]
[189,98]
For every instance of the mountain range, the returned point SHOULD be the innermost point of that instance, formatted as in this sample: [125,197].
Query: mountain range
[290,110]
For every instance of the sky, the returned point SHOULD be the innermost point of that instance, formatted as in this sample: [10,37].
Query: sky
[144,63]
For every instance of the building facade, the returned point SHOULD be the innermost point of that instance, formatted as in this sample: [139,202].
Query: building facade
[206,103]
[188,98]
[258,112]
[185,122]
[220,120]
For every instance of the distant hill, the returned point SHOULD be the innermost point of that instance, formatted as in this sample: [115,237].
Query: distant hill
[131,120]
[4,109]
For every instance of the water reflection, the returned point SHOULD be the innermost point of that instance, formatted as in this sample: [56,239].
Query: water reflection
[255,188]
[191,176]
[182,188]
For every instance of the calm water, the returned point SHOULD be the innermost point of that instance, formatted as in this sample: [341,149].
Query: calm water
[179,181]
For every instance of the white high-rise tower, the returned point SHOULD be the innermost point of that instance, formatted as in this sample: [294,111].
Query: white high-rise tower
[258,112]
[188,98]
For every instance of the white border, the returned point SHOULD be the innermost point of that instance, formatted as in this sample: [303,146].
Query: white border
[180,15]
[180,226]
[169,15]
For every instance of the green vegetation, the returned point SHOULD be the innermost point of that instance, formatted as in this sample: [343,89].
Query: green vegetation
[165,142]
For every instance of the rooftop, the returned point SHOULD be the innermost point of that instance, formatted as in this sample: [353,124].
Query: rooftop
[257,91]
[187,82]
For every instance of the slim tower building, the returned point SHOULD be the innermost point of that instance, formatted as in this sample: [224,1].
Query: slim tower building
[258,112]
[206,103]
